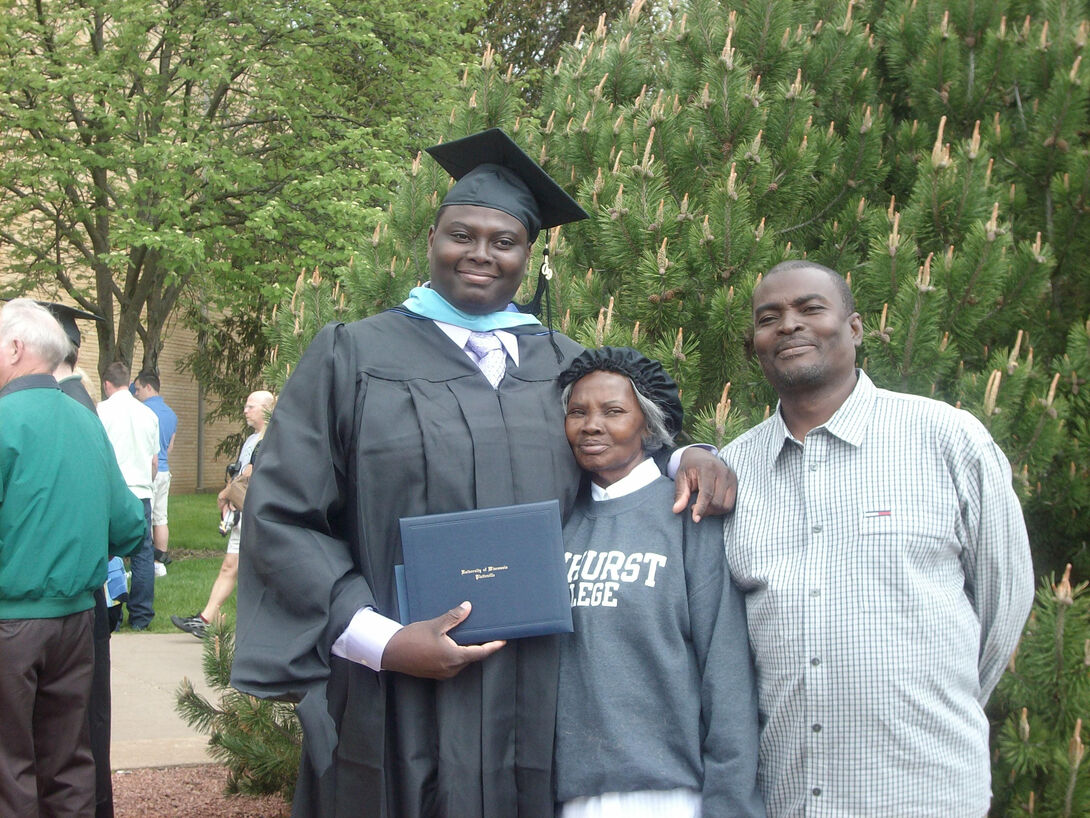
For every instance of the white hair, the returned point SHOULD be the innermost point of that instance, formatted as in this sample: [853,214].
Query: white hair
[25,320]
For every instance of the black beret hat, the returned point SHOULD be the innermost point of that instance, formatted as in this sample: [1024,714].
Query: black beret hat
[492,171]
[648,376]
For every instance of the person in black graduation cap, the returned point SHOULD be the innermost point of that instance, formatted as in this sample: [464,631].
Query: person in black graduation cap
[99,707]
[70,381]
[445,403]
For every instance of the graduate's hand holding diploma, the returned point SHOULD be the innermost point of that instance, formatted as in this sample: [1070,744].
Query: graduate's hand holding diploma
[716,485]
[423,649]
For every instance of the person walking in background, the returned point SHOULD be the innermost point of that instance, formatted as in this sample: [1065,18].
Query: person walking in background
[658,669]
[886,569]
[258,409]
[64,506]
[133,430]
[147,392]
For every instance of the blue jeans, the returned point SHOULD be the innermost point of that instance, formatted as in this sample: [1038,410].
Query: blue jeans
[142,589]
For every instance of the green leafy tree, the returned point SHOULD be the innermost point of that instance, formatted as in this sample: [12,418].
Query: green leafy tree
[157,151]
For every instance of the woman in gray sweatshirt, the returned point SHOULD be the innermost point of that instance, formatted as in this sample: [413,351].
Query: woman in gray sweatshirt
[657,710]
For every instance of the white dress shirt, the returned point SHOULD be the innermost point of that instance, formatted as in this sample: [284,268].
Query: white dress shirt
[642,474]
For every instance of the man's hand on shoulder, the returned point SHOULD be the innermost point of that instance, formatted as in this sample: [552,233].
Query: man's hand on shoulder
[423,649]
[704,474]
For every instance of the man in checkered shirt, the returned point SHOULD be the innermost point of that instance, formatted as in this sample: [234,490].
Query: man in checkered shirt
[886,569]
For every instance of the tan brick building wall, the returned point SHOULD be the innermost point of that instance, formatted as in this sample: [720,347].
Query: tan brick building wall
[193,462]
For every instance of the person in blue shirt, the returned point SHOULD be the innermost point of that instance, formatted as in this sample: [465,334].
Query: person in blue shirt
[147,391]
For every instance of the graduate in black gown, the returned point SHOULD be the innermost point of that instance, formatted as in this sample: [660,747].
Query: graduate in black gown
[395,416]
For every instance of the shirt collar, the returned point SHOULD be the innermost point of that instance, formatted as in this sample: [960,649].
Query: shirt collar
[459,335]
[849,422]
[122,394]
[643,474]
[38,380]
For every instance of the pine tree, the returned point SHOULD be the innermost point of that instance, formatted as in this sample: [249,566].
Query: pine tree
[936,153]
[259,741]
[1041,766]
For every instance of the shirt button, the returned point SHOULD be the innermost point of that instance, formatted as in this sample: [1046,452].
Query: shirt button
[815,661]
[816,791]
[816,529]
[815,592]
[813,467]
[816,728]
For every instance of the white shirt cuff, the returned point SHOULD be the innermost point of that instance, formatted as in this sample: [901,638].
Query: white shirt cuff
[675,458]
[365,638]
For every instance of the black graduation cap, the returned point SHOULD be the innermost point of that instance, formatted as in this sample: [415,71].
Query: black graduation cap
[66,316]
[492,171]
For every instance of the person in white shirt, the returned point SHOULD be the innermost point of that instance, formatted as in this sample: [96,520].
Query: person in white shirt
[258,409]
[133,430]
[886,569]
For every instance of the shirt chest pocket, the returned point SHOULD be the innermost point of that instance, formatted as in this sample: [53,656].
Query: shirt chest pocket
[902,555]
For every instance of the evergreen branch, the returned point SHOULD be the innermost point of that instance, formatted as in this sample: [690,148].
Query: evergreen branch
[1025,450]
[1018,105]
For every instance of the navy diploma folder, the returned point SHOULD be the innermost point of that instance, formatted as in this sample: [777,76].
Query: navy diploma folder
[507,561]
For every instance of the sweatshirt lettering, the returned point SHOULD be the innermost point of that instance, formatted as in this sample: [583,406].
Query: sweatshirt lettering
[595,577]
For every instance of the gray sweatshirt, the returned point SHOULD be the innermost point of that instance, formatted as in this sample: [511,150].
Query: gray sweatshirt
[657,687]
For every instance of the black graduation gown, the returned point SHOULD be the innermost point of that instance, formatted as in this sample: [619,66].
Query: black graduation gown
[386,418]
[98,708]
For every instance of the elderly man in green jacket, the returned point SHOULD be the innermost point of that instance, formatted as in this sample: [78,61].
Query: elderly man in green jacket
[64,508]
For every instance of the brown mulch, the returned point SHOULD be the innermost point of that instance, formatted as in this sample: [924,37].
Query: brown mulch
[187,792]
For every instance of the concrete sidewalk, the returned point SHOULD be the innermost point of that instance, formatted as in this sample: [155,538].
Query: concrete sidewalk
[146,672]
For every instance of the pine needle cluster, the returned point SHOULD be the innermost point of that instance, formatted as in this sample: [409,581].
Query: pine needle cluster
[1041,766]
[258,741]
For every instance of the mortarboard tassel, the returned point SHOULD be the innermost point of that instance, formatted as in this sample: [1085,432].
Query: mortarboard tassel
[541,294]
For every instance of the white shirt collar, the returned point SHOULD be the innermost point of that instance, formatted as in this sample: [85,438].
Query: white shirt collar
[459,335]
[122,394]
[643,474]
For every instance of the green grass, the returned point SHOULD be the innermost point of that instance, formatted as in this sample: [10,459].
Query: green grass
[193,521]
[197,550]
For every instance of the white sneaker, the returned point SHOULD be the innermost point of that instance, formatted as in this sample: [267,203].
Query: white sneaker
[160,570]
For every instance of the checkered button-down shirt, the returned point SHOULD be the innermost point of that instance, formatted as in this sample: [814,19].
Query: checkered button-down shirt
[887,577]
